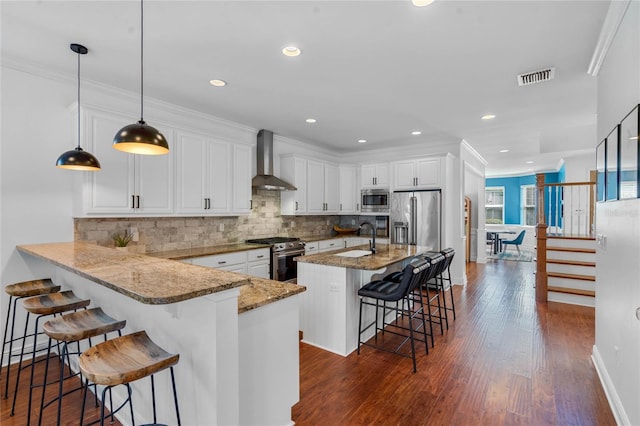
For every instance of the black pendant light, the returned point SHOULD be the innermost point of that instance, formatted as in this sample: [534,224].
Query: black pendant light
[140,138]
[78,159]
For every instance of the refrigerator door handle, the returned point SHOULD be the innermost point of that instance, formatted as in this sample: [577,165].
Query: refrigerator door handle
[414,221]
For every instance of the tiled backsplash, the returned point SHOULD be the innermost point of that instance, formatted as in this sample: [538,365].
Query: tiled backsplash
[172,233]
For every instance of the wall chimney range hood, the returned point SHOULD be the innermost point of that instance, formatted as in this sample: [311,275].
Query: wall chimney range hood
[264,178]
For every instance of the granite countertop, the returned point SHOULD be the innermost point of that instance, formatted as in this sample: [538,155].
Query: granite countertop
[206,251]
[143,278]
[260,292]
[387,254]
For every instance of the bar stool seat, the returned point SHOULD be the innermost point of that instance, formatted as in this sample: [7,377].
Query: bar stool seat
[71,328]
[42,306]
[16,292]
[125,359]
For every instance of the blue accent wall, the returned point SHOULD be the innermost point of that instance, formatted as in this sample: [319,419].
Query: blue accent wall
[512,202]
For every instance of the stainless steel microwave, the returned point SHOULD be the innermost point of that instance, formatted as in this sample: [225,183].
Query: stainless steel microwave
[374,201]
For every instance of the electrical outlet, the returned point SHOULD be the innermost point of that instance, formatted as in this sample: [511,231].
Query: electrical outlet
[221,227]
[601,241]
[353,221]
[293,224]
[134,234]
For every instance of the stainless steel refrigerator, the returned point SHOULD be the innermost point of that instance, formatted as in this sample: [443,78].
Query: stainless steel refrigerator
[415,218]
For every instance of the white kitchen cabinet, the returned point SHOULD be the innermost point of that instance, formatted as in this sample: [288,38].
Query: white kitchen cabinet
[317,183]
[375,175]
[204,175]
[233,262]
[311,247]
[323,194]
[127,184]
[294,171]
[332,244]
[417,174]
[259,263]
[242,179]
[253,262]
[349,197]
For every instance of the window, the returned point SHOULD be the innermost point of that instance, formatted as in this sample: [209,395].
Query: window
[494,204]
[528,202]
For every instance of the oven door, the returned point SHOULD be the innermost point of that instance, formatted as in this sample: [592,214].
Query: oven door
[284,268]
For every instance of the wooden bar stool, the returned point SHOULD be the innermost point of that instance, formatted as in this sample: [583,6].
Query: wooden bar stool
[42,306]
[71,328]
[123,360]
[16,292]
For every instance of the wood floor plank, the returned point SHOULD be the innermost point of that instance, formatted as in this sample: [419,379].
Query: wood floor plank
[506,360]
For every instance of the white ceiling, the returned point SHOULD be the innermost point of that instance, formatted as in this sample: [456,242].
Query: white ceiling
[373,70]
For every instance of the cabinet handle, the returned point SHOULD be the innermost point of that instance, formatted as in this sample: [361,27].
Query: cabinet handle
[137,201]
[340,206]
[222,262]
[358,207]
[374,180]
[260,257]
[251,204]
[296,206]
[133,201]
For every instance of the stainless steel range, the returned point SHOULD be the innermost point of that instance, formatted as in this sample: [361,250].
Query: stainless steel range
[283,251]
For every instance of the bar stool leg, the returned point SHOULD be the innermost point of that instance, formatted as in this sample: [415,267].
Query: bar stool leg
[15,392]
[13,324]
[175,396]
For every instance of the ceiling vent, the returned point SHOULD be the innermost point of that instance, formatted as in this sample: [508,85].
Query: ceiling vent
[534,77]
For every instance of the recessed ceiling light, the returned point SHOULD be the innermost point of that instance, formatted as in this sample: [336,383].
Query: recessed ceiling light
[504,150]
[311,120]
[217,83]
[421,3]
[529,162]
[291,51]
[362,140]
[416,132]
[488,117]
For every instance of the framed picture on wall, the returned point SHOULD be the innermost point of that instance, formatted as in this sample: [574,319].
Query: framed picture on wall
[612,176]
[601,170]
[629,172]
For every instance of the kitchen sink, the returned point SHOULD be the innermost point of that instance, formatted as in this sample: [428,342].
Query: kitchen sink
[354,253]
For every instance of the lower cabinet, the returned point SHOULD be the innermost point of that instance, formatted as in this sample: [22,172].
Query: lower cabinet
[252,262]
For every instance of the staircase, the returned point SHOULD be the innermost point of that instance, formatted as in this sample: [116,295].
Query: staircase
[571,269]
[565,246]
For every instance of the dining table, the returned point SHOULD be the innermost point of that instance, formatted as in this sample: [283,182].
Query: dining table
[494,236]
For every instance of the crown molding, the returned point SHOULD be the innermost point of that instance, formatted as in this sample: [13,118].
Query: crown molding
[617,10]
[473,152]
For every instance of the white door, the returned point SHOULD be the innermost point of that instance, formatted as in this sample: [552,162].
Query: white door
[331,189]
[242,179]
[405,174]
[428,173]
[154,179]
[218,168]
[191,177]
[348,192]
[315,187]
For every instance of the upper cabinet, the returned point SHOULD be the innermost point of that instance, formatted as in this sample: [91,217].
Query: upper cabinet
[317,183]
[375,175]
[423,173]
[348,190]
[200,175]
[127,184]
[294,171]
[203,175]
[242,179]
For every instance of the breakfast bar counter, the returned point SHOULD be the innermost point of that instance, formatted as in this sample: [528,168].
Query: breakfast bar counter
[237,335]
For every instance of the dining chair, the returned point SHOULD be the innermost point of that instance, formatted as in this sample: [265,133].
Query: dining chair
[517,241]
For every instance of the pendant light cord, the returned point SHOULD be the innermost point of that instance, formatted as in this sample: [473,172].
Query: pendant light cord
[141,61]
[78,101]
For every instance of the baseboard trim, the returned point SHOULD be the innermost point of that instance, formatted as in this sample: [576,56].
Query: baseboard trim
[610,391]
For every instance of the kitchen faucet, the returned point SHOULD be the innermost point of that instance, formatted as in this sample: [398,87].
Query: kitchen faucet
[372,244]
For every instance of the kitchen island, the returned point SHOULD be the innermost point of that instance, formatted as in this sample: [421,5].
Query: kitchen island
[237,335]
[330,306]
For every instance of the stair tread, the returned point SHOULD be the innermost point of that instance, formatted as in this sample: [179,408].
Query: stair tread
[572,291]
[571,262]
[571,276]
[571,249]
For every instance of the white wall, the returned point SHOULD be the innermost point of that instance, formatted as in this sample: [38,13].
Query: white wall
[617,348]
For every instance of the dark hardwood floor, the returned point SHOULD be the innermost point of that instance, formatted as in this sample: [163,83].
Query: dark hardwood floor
[506,360]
